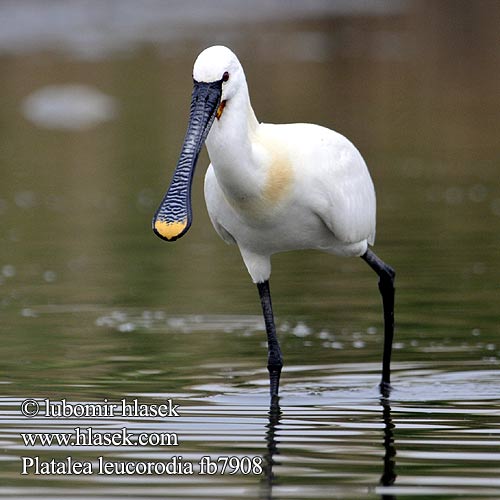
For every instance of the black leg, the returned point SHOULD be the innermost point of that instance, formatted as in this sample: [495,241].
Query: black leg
[386,276]
[274,359]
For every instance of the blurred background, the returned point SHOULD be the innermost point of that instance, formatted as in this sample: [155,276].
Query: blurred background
[94,101]
[94,98]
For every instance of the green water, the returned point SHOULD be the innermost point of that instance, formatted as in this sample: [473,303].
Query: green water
[93,306]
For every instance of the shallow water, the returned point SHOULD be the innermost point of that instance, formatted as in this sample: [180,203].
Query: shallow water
[93,307]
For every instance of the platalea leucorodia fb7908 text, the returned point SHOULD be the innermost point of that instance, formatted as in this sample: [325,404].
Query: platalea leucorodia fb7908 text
[272,188]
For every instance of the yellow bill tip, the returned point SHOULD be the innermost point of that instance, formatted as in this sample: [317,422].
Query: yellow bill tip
[170,230]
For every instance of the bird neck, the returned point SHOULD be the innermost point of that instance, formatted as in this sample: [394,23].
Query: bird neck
[229,145]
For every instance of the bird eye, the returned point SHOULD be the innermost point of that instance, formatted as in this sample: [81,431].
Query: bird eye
[225,76]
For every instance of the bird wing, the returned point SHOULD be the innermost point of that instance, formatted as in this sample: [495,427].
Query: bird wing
[216,204]
[349,196]
[334,181]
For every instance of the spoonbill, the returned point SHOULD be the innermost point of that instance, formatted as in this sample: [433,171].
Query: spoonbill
[273,188]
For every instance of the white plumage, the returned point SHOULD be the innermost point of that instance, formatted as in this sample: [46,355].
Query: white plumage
[272,188]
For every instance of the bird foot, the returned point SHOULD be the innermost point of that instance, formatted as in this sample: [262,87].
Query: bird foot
[385,389]
[274,383]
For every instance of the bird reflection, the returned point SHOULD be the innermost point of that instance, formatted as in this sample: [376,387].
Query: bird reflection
[272,451]
[389,474]
[275,415]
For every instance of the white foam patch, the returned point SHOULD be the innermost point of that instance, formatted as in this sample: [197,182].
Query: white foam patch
[69,107]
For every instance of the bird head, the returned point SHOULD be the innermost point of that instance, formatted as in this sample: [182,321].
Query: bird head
[219,63]
[217,76]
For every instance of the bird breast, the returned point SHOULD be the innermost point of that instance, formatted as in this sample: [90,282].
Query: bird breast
[258,186]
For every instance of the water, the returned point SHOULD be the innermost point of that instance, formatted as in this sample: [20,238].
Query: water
[94,307]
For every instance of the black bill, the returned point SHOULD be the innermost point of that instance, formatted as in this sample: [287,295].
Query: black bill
[174,215]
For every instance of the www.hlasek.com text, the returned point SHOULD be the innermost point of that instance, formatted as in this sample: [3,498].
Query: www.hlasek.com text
[87,436]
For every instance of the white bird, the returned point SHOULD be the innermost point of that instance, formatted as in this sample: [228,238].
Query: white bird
[273,188]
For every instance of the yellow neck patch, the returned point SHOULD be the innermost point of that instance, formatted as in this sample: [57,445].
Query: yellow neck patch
[170,230]
[220,109]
